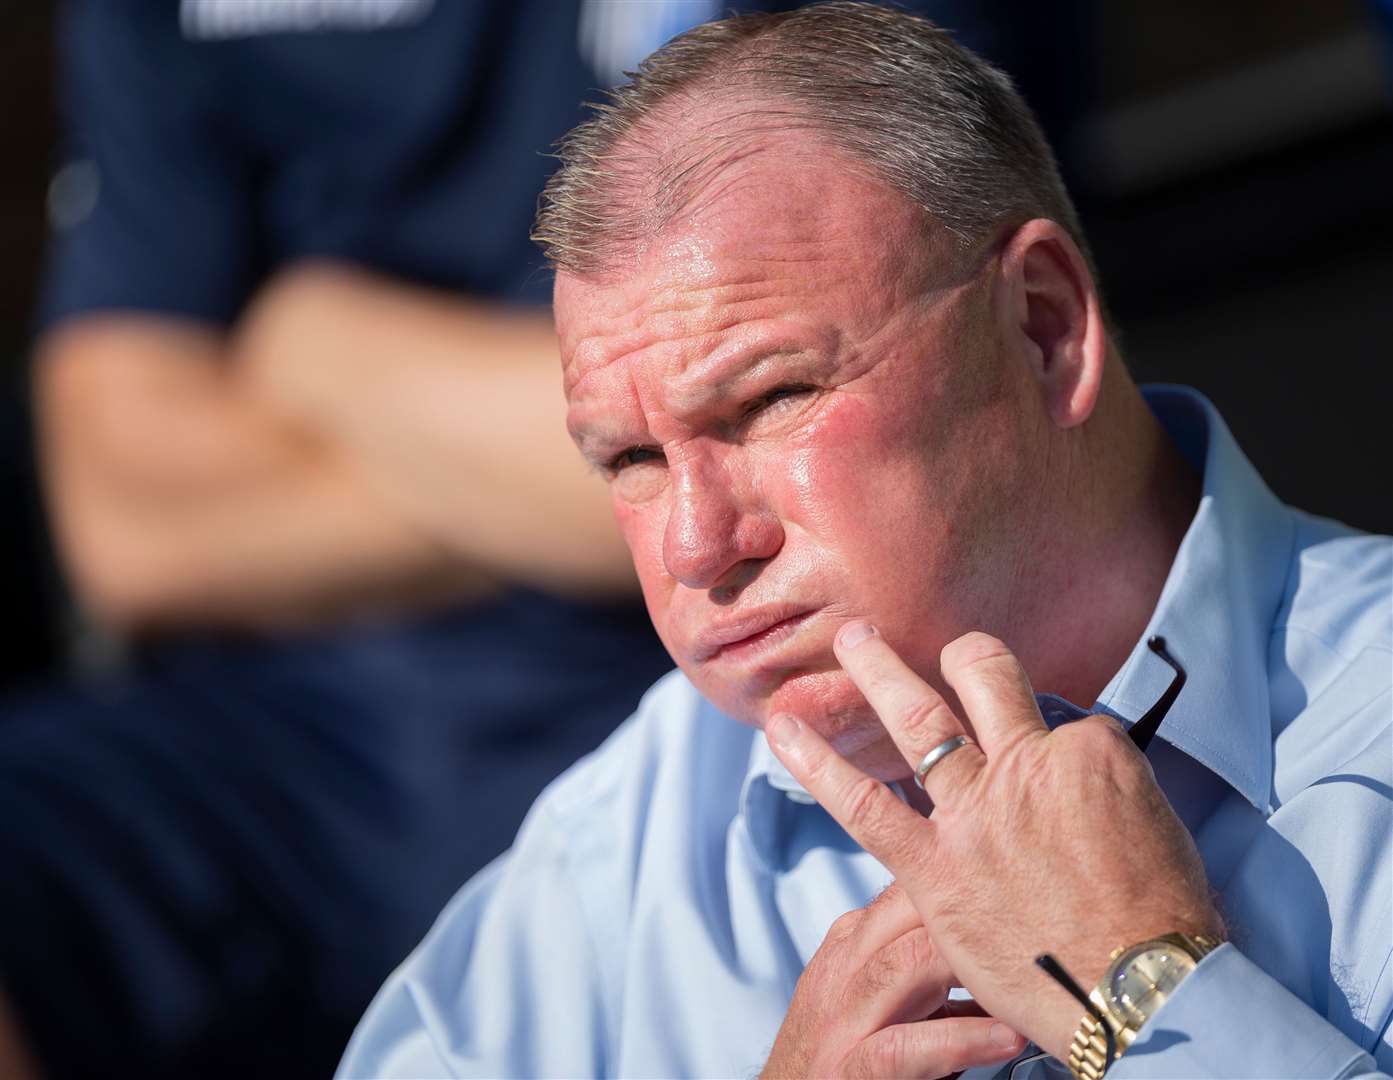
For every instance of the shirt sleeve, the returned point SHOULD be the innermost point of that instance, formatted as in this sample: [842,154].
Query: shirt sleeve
[152,204]
[1231,1019]
[505,984]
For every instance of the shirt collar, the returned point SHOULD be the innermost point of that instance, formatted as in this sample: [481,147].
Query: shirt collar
[1215,612]
[767,797]
[1216,609]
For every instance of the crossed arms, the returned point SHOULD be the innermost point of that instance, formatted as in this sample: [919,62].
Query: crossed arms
[351,446]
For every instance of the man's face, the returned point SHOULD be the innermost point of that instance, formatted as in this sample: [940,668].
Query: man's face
[806,419]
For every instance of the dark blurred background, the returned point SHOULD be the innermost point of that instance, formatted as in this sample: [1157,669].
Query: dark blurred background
[1234,162]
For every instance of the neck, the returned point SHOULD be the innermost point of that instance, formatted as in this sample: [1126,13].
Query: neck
[1108,547]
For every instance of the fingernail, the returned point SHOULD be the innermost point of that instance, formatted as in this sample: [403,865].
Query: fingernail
[1004,1036]
[783,730]
[852,634]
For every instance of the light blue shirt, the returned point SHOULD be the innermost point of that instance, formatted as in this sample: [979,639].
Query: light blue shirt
[664,895]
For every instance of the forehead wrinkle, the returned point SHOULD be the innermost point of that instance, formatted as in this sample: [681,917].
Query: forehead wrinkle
[675,276]
[720,267]
[606,428]
[720,332]
[685,391]
[670,324]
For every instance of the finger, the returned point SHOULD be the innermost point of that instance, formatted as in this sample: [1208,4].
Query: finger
[904,980]
[860,933]
[913,712]
[934,1048]
[887,917]
[994,690]
[869,812]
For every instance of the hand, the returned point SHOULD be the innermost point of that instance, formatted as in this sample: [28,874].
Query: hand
[1039,841]
[873,1001]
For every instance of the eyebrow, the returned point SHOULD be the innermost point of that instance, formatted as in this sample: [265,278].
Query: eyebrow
[700,389]
[705,384]
[596,445]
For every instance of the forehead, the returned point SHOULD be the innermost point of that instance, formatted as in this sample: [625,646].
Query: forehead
[794,229]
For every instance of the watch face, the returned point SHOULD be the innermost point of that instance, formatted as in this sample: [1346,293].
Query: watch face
[1143,978]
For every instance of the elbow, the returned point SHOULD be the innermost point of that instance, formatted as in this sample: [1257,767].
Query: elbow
[114,576]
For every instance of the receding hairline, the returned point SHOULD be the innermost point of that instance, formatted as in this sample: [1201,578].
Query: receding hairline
[705,138]
[903,102]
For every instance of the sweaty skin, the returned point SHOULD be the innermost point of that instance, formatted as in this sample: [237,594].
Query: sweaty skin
[812,410]
[805,412]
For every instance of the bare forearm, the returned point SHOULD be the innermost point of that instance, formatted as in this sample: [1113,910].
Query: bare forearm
[355,446]
[454,412]
[180,501]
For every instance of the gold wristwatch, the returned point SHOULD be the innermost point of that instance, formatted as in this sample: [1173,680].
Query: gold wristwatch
[1138,981]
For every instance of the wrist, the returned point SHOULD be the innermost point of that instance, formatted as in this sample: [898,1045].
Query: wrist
[1138,981]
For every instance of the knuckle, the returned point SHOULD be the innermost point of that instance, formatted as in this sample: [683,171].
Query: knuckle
[844,925]
[887,895]
[891,1052]
[1085,729]
[946,1045]
[816,764]
[1109,724]
[1106,735]
[883,1054]
[822,772]
[971,649]
[862,801]
[930,718]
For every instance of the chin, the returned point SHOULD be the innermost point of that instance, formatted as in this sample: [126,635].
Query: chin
[830,704]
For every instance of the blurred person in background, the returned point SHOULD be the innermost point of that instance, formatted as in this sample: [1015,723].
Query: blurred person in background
[303,446]
[302,442]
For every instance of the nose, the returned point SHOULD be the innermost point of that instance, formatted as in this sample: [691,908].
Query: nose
[714,525]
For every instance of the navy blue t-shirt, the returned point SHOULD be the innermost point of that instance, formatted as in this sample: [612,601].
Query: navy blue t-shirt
[200,159]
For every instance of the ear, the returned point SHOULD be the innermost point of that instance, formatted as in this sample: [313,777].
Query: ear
[1053,318]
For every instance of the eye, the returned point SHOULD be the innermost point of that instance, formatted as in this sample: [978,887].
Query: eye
[634,455]
[774,397]
[637,474]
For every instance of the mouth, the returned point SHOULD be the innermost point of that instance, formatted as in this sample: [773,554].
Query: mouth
[752,635]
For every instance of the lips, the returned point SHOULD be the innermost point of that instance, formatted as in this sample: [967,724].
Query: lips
[748,632]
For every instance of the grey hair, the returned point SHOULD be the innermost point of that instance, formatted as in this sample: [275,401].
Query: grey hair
[892,90]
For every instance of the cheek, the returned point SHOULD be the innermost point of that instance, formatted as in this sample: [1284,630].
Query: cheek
[822,476]
[859,488]
[894,526]
[642,529]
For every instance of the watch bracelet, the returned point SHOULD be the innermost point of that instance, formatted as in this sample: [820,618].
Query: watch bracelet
[1088,1052]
